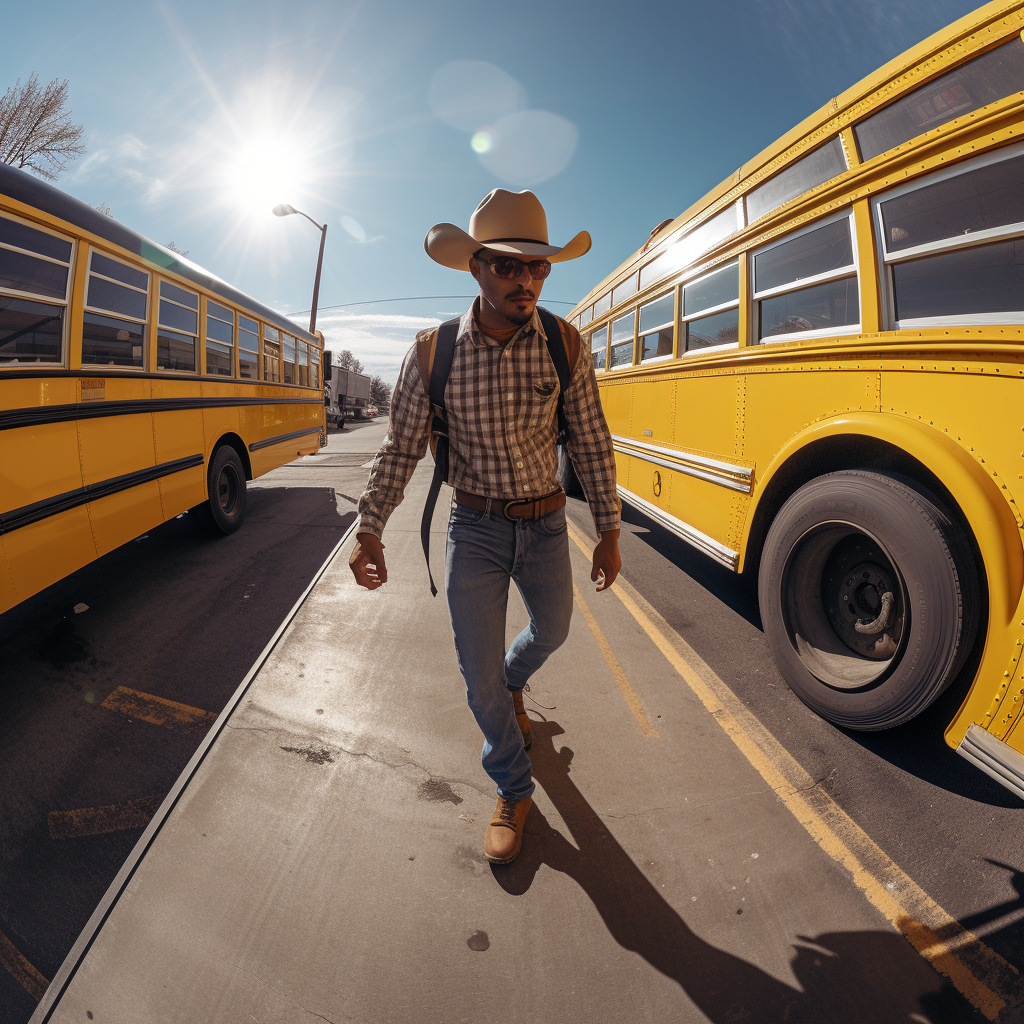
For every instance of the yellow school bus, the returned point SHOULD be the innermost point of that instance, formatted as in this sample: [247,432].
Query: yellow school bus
[134,386]
[817,371]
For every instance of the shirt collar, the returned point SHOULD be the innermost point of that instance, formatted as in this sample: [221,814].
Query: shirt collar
[468,327]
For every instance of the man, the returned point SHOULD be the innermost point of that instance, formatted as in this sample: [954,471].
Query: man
[508,520]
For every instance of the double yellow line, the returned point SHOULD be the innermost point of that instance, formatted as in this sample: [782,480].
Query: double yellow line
[981,975]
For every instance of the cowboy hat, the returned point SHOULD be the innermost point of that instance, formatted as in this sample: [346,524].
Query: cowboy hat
[510,222]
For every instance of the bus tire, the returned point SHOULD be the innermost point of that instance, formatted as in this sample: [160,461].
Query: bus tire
[566,473]
[869,597]
[224,509]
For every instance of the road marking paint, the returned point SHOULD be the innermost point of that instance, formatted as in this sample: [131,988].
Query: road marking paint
[981,975]
[96,821]
[21,970]
[628,692]
[157,710]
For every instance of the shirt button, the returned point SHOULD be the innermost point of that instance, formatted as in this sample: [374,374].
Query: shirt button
[510,396]
[519,465]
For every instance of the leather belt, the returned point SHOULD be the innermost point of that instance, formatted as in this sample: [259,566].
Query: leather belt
[513,508]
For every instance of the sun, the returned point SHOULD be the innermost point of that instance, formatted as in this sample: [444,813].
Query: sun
[264,173]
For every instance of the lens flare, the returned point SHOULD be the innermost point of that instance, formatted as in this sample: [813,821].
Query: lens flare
[482,141]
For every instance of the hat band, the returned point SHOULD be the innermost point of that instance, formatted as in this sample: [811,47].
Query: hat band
[533,241]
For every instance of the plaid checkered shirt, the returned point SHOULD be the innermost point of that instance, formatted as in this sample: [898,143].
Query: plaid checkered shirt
[501,402]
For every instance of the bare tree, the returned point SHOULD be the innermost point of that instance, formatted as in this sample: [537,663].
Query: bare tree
[36,133]
[103,208]
[181,252]
[347,361]
[380,392]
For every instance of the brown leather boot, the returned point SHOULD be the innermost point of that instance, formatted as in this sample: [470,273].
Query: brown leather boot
[504,835]
[522,718]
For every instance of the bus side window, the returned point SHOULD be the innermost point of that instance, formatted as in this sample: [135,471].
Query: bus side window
[178,329]
[220,340]
[711,309]
[599,348]
[955,247]
[248,348]
[33,265]
[271,353]
[622,340]
[808,283]
[114,287]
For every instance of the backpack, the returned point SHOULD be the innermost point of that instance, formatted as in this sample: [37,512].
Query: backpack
[434,356]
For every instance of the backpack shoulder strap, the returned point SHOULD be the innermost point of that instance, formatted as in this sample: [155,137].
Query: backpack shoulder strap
[426,345]
[441,357]
[564,348]
[434,356]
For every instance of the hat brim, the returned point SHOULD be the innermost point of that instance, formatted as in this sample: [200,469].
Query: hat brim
[452,247]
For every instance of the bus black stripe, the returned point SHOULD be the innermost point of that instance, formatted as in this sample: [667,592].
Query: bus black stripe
[283,437]
[27,514]
[90,410]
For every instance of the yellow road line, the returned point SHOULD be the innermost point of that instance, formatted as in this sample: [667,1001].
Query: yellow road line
[158,710]
[988,981]
[96,821]
[635,705]
[21,970]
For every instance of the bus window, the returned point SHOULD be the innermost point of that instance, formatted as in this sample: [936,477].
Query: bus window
[681,252]
[657,323]
[603,304]
[624,289]
[314,367]
[967,265]
[178,325]
[288,349]
[622,340]
[711,315]
[302,357]
[115,288]
[808,283]
[271,353]
[587,315]
[808,172]
[37,264]
[248,348]
[599,347]
[981,81]
[220,340]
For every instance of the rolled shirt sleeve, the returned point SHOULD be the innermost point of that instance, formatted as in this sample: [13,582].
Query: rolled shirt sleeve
[404,445]
[590,444]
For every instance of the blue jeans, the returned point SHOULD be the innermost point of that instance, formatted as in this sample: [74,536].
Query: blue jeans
[484,553]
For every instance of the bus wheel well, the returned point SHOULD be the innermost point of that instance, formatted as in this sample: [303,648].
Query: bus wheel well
[850,451]
[239,445]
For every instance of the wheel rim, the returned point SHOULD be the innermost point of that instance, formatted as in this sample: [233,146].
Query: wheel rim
[845,608]
[227,490]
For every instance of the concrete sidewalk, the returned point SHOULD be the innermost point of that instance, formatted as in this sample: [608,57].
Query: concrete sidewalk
[326,861]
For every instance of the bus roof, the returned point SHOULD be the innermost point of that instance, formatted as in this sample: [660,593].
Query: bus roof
[24,188]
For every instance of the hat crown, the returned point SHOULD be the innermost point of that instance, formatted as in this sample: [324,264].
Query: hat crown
[509,215]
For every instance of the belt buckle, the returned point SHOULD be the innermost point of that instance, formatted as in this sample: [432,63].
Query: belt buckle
[525,501]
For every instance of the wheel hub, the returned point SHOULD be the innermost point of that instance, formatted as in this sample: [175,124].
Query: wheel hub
[861,594]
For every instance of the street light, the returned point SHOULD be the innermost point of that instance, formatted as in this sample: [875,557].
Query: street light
[283,210]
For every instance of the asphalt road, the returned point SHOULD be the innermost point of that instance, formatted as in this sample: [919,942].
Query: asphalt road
[954,830]
[181,618]
[176,615]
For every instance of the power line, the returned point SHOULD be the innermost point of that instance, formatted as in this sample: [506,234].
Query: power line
[408,298]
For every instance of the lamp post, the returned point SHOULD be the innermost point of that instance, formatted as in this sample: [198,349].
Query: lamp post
[283,210]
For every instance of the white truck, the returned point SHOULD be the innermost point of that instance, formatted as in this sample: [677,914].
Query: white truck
[346,395]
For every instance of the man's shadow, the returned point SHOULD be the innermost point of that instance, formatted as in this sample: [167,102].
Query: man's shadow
[846,977]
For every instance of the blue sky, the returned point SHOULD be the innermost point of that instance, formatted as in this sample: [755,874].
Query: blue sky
[200,116]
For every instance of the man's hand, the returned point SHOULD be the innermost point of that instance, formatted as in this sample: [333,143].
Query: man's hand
[607,561]
[367,561]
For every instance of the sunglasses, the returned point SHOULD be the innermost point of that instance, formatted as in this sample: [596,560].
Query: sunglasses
[509,268]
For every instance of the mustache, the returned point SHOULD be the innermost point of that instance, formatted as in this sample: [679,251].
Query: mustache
[521,293]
